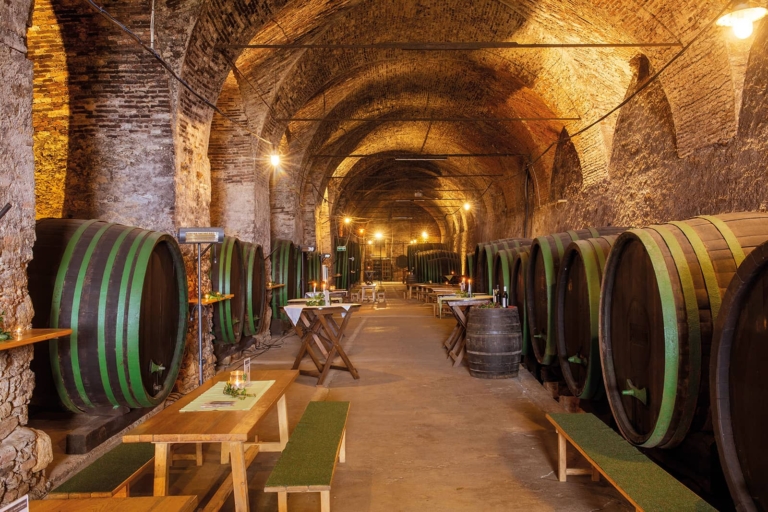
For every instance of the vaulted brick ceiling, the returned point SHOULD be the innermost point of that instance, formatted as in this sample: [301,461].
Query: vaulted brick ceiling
[357,99]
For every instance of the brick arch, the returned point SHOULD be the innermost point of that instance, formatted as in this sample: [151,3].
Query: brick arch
[566,171]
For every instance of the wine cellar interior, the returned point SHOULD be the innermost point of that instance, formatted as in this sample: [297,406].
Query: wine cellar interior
[521,241]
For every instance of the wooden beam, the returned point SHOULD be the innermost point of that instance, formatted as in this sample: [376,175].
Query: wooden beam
[426,119]
[444,46]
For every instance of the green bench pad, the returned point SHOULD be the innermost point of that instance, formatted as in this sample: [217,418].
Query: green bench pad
[107,472]
[651,487]
[310,455]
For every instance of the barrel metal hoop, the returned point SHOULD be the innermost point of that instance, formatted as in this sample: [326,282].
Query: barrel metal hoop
[594,371]
[249,251]
[669,319]
[74,354]
[598,252]
[730,238]
[58,291]
[558,244]
[574,236]
[526,332]
[707,268]
[550,350]
[594,232]
[227,275]
[102,316]
[694,334]
[134,319]
[121,325]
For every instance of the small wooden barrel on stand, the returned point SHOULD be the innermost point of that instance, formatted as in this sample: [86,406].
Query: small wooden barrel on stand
[494,342]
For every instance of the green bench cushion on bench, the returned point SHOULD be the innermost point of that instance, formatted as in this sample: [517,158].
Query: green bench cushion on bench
[310,455]
[651,487]
[110,470]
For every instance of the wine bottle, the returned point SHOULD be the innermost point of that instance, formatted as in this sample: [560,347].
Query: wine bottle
[495,295]
[504,298]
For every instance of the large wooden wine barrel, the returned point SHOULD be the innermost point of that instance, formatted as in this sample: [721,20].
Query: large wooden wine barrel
[414,249]
[738,382]
[577,312]
[660,297]
[541,285]
[434,265]
[283,261]
[509,270]
[228,277]
[123,292]
[255,288]
[493,343]
[347,263]
[485,255]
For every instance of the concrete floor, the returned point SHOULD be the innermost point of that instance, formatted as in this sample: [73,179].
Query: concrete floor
[422,435]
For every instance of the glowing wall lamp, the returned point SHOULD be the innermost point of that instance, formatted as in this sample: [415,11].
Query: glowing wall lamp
[467,206]
[274,159]
[741,18]
[424,235]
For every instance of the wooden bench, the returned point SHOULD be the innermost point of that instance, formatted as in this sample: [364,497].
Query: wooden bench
[143,504]
[109,476]
[309,460]
[644,484]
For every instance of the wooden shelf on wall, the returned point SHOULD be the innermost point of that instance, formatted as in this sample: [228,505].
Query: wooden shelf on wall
[33,336]
[274,286]
[208,302]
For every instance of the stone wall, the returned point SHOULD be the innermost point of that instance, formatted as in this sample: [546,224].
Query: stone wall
[24,452]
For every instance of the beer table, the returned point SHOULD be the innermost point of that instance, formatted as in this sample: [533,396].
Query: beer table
[231,428]
[316,323]
[143,504]
[457,339]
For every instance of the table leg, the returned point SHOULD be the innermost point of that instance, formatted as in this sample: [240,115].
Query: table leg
[239,477]
[304,318]
[282,426]
[282,502]
[561,461]
[325,501]
[224,453]
[337,346]
[162,460]
[448,343]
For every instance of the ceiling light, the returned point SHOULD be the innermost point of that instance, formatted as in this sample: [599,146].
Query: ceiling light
[347,220]
[741,19]
[362,231]
[370,242]
[274,159]
[424,235]
[378,235]
[467,206]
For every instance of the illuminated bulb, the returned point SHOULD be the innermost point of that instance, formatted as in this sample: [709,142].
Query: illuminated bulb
[467,206]
[370,242]
[379,235]
[347,220]
[424,235]
[741,19]
[274,159]
[742,29]
[362,231]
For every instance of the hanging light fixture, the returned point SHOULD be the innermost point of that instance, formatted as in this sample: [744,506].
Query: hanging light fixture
[467,206]
[274,159]
[741,18]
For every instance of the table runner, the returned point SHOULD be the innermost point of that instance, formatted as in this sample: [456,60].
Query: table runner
[294,310]
[216,394]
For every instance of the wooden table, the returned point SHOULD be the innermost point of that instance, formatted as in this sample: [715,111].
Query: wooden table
[368,287]
[143,504]
[233,429]
[316,324]
[457,339]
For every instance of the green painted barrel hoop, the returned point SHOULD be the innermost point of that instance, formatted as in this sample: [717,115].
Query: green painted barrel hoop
[590,262]
[669,320]
[694,336]
[550,348]
[231,328]
[523,259]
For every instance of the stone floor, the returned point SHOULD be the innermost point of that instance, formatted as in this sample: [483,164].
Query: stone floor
[422,435]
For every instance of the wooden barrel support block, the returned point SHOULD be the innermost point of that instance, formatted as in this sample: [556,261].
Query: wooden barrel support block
[228,277]
[123,292]
[738,384]
[577,311]
[494,343]
[541,285]
[661,295]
